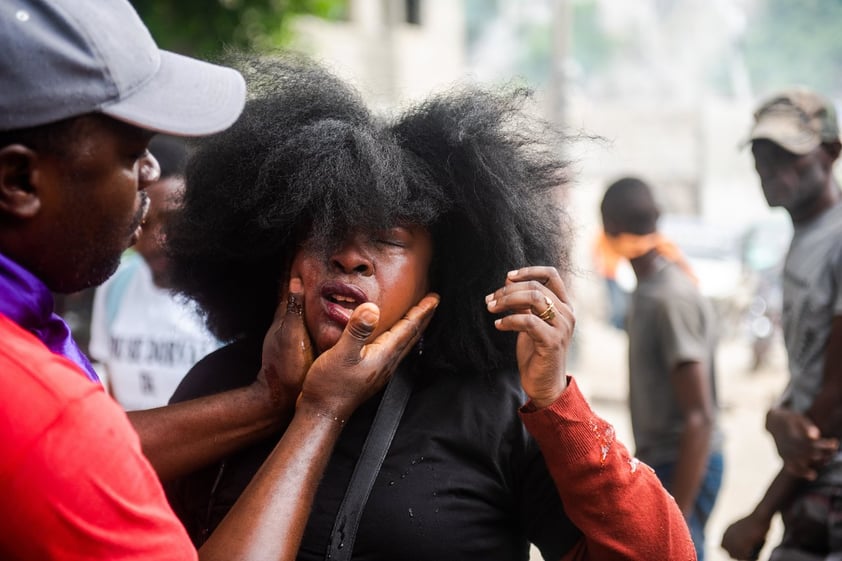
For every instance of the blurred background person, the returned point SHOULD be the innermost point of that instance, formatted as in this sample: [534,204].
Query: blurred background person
[672,347]
[144,337]
[795,143]
[607,261]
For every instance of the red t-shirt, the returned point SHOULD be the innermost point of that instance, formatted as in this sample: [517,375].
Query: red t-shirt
[74,483]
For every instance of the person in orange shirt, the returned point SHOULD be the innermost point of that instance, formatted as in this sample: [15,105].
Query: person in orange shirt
[606,262]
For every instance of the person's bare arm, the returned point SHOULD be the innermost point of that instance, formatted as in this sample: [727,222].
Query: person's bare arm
[826,410]
[807,441]
[744,538]
[180,438]
[692,389]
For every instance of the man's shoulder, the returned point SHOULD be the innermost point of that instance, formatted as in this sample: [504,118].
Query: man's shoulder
[23,356]
[37,387]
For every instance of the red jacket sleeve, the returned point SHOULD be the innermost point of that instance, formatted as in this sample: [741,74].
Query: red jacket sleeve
[615,500]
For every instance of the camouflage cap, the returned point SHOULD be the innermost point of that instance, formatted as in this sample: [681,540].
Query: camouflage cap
[798,120]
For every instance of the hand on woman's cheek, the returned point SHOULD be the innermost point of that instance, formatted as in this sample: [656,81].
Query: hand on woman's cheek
[287,351]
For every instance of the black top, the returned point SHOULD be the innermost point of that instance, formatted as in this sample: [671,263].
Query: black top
[462,479]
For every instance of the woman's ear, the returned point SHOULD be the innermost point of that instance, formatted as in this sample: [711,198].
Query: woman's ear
[19,178]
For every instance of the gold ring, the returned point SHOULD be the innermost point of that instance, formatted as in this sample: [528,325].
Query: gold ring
[294,306]
[548,314]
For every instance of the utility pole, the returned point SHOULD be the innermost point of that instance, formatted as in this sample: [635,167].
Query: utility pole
[557,84]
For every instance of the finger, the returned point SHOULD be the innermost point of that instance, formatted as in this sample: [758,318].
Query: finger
[547,276]
[406,332]
[540,331]
[357,332]
[531,298]
[813,432]
[800,470]
[825,445]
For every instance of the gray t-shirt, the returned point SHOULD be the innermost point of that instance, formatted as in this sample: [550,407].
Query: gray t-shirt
[812,297]
[670,322]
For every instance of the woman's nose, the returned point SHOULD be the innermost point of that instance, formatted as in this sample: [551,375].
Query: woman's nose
[149,171]
[351,259]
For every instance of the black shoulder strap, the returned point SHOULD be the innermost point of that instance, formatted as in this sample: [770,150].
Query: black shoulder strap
[374,450]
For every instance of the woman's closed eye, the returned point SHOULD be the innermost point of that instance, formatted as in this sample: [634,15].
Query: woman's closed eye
[395,237]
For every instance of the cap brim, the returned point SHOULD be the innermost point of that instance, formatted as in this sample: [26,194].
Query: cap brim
[783,131]
[187,97]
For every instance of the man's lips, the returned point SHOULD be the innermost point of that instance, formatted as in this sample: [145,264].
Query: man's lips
[340,300]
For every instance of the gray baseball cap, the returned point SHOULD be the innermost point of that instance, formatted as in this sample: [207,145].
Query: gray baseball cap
[797,119]
[64,58]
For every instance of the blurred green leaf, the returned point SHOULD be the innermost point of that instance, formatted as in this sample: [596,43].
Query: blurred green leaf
[204,28]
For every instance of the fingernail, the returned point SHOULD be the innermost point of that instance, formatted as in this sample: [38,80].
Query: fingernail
[491,304]
[295,284]
[368,317]
[512,273]
[488,297]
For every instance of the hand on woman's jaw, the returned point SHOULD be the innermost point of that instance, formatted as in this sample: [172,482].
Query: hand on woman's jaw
[344,376]
[359,365]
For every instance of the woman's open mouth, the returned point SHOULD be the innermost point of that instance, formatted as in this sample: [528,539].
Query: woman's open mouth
[340,300]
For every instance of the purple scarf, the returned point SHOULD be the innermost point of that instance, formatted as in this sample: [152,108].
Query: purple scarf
[26,301]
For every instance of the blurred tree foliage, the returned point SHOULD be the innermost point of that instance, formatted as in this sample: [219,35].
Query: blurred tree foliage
[204,28]
[795,42]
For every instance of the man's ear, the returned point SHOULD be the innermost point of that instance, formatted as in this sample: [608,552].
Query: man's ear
[19,181]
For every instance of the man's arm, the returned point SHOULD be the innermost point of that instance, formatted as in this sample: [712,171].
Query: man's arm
[808,441]
[693,391]
[826,410]
[745,538]
[181,438]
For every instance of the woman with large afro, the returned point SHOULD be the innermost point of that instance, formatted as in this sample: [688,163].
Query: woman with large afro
[312,198]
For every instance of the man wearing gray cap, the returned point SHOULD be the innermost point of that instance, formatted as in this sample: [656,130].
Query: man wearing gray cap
[84,89]
[795,142]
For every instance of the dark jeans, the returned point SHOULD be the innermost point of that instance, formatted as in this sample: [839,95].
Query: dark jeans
[704,501]
[618,304]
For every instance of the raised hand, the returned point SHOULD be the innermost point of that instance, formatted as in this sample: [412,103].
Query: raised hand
[287,351]
[745,538]
[534,302]
[356,368]
[799,442]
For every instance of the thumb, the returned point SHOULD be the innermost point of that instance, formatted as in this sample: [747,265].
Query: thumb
[361,326]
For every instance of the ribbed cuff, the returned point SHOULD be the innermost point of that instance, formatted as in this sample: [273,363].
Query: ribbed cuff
[568,429]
